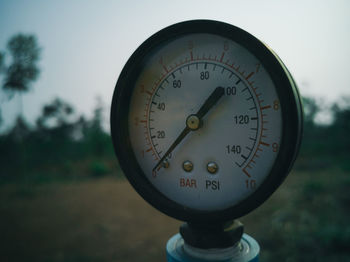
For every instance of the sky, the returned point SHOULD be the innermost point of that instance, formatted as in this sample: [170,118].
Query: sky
[85,44]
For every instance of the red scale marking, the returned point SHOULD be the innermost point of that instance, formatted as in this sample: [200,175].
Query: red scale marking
[249,76]
[263,143]
[166,69]
[245,172]
[222,57]
[265,107]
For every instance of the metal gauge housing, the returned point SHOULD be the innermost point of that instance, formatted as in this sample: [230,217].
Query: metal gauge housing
[206,121]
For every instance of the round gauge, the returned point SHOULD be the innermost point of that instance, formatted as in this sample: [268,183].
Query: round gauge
[206,121]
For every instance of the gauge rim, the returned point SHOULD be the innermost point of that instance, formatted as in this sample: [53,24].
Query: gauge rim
[291,110]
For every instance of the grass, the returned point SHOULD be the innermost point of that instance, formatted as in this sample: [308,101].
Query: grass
[103,219]
[308,221]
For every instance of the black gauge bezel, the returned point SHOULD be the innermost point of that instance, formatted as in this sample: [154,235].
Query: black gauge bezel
[291,109]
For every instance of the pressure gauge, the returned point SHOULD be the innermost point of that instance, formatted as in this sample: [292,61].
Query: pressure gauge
[206,121]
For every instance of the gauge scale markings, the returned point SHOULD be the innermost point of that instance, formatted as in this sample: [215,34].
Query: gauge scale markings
[205,67]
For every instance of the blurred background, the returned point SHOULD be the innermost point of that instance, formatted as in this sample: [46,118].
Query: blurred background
[63,196]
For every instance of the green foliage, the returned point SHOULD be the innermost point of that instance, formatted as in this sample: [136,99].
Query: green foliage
[98,169]
[313,188]
[60,146]
[25,54]
[310,110]
[325,146]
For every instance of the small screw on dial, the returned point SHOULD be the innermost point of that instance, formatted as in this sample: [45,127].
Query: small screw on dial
[187,166]
[212,167]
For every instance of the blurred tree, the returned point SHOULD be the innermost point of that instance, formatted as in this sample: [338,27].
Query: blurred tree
[311,109]
[20,130]
[340,128]
[94,134]
[313,134]
[2,61]
[341,120]
[54,120]
[23,70]
[97,120]
[2,65]
[341,113]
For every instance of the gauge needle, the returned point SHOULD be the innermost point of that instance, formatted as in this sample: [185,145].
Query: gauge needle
[193,121]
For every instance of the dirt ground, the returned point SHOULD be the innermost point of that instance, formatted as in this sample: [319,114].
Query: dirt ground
[95,220]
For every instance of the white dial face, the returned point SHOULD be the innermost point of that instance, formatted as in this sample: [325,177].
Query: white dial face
[216,158]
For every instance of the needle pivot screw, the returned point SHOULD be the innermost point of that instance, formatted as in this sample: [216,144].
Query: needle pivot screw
[193,122]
